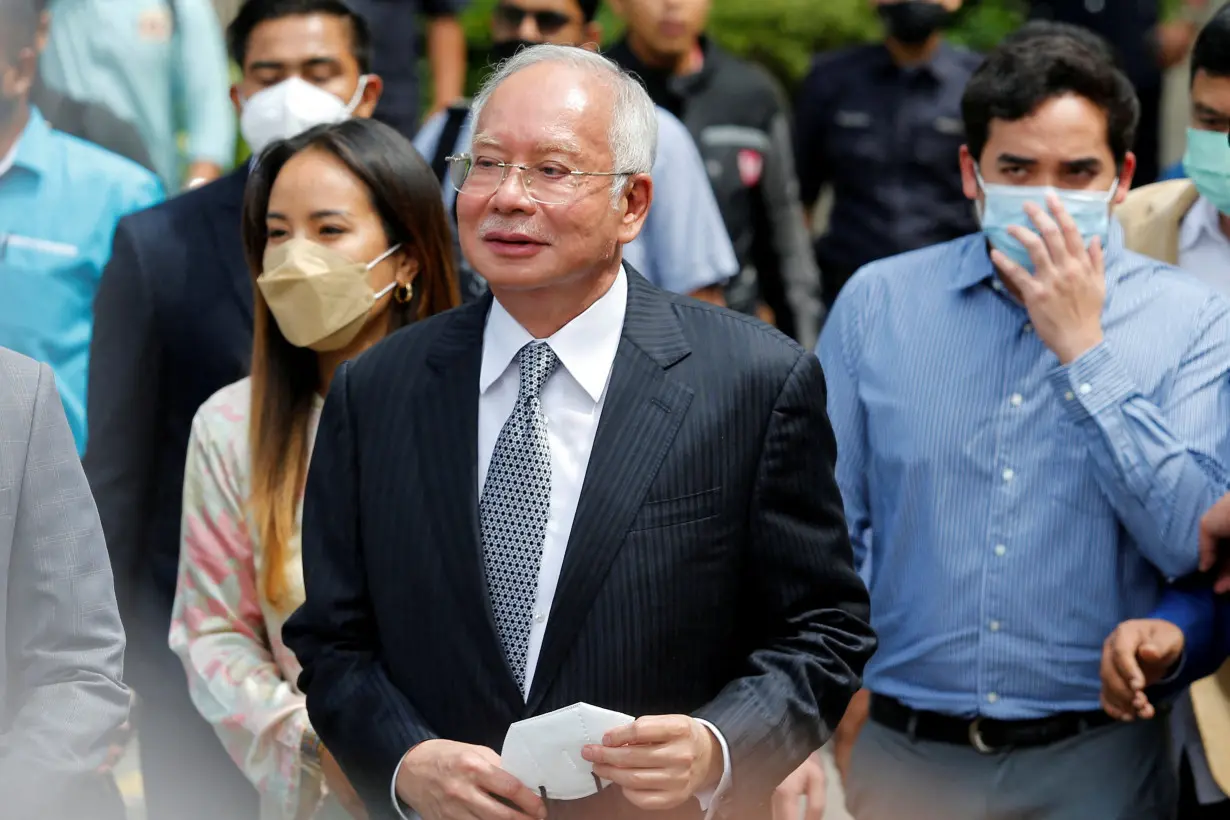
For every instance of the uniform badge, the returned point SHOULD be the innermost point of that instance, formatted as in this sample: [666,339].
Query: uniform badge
[751,166]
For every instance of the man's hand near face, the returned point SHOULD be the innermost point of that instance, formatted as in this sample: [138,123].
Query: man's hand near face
[1066,292]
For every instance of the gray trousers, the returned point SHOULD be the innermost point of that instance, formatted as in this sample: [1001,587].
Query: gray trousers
[1118,772]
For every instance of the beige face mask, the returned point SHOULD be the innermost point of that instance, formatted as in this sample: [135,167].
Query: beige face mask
[319,297]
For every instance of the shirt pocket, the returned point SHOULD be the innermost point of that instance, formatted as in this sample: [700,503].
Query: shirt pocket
[47,284]
[937,143]
[854,138]
[685,509]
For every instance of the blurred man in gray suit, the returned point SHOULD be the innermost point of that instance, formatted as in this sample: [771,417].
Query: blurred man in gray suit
[61,646]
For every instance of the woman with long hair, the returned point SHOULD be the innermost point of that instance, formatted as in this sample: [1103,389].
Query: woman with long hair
[346,236]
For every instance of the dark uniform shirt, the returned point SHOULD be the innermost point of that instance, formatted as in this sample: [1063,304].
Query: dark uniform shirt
[740,121]
[1129,26]
[888,140]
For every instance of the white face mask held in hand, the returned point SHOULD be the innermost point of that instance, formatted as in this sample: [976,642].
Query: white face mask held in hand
[289,108]
[544,752]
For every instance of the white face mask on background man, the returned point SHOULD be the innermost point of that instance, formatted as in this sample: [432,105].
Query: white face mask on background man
[290,108]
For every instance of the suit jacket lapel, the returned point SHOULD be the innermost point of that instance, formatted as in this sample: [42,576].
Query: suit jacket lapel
[643,411]
[226,230]
[446,415]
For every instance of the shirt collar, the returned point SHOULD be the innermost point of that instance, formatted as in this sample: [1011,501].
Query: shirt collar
[976,268]
[943,65]
[33,148]
[585,346]
[1201,223]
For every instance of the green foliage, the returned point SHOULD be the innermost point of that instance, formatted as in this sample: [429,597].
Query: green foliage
[784,34]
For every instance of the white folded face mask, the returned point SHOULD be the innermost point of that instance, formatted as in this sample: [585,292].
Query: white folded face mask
[544,752]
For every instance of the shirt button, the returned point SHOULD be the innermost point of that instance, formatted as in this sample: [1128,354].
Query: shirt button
[1001,550]
[992,697]
[1086,388]
[1008,474]
[1016,399]
[1069,395]
[1029,328]
[994,626]
[539,618]
[997,285]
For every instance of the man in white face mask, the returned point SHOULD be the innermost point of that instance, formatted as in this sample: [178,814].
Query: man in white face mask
[173,325]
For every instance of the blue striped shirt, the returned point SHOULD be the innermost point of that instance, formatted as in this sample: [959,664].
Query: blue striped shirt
[1014,511]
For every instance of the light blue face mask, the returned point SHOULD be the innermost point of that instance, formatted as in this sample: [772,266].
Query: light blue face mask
[1004,205]
[1207,164]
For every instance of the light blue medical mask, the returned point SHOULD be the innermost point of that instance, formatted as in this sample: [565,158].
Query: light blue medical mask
[1004,205]
[1207,164]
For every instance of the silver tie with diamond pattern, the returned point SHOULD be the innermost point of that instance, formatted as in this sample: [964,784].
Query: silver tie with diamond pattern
[513,508]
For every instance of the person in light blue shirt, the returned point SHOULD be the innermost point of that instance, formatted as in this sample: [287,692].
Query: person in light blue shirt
[684,246]
[60,200]
[158,64]
[1030,423]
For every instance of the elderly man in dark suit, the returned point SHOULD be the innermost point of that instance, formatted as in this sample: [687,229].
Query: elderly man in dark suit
[62,645]
[577,489]
[173,324]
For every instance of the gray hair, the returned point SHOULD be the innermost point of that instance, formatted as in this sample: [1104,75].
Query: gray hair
[633,135]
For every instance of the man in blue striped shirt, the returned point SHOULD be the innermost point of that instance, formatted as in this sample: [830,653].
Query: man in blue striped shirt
[1030,423]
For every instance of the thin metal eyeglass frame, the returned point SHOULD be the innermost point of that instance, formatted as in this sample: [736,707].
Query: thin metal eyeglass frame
[525,186]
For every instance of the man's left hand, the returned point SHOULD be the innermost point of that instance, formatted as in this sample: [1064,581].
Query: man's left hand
[659,761]
[1066,292]
[807,781]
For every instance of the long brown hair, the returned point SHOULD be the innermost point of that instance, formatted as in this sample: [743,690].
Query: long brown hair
[406,195]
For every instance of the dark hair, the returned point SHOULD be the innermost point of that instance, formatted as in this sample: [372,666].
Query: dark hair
[1018,77]
[18,26]
[1211,54]
[254,12]
[1050,28]
[406,195]
[589,9]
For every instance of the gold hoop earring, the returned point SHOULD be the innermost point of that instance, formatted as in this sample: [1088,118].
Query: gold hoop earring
[402,294]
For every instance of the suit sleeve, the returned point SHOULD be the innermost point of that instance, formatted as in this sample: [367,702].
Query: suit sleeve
[816,638]
[361,717]
[123,407]
[1196,611]
[65,642]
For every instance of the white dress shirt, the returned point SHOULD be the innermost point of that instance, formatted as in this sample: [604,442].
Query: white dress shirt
[1204,251]
[572,400]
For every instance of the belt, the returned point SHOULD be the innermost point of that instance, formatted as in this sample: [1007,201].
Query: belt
[987,735]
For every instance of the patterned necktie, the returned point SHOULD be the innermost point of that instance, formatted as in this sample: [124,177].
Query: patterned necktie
[513,509]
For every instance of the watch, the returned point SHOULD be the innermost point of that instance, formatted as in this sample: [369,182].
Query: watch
[309,751]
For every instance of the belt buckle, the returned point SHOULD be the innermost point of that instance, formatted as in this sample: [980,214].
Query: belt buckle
[975,738]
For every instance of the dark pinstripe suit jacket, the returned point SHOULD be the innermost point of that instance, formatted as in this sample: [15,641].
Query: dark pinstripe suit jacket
[708,572]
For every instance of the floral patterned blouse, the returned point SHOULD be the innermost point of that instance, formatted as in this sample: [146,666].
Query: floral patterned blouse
[241,676]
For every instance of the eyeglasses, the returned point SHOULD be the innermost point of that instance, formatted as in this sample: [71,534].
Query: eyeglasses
[548,22]
[547,183]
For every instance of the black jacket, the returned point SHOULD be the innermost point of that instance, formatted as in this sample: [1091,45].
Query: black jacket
[708,570]
[738,116]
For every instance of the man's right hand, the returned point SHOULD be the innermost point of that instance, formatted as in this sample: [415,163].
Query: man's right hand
[446,780]
[1136,655]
